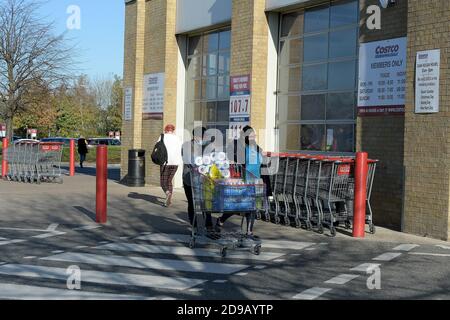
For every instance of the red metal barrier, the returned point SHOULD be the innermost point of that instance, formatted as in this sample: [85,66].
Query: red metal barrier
[4,162]
[359,212]
[102,177]
[72,158]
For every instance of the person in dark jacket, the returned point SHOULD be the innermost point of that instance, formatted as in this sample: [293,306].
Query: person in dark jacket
[82,150]
[191,150]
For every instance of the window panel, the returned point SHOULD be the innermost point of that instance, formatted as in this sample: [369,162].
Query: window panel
[289,108]
[291,24]
[209,88]
[194,90]
[211,42]
[344,14]
[313,137]
[209,112]
[224,62]
[342,75]
[317,19]
[225,40]
[341,106]
[290,79]
[289,137]
[194,67]
[223,88]
[343,43]
[195,45]
[315,77]
[223,111]
[210,64]
[340,138]
[316,48]
[313,107]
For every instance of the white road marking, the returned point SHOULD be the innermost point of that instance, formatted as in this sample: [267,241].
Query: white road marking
[241,274]
[52,227]
[148,263]
[91,227]
[183,251]
[49,235]
[388,256]
[104,242]
[220,281]
[260,267]
[195,290]
[430,254]
[58,251]
[279,260]
[4,243]
[366,267]
[443,247]
[81,247]
[342,279]
[2,263]
[273,244]
[30,257]
[24,292]
[3,239]
[311,294]
[406,247]
[100,277]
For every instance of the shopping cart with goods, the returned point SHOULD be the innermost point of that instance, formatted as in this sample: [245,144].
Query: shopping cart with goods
[218,196]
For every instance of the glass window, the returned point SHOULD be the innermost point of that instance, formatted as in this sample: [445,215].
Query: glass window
[343,43]
[317,19]
[289,108]
[315,77]
[195,45]
[312,137]
[342,75]
[344,14]
[207,80]
[313,107]
[291,24]
[315,48]
[289,79]
[340,138]
[341,106]
[225,40]
[211,42]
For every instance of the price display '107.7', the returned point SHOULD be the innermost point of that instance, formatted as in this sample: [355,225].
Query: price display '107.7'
[240,106]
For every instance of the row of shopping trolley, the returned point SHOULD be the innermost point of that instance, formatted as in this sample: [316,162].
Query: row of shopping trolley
[33,162]
[315,192]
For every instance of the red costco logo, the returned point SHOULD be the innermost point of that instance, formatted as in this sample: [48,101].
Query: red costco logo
[344,170]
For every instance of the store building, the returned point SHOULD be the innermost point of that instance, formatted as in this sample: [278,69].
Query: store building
[330,76]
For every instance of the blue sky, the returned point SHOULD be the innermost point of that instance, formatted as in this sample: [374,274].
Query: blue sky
[100,37]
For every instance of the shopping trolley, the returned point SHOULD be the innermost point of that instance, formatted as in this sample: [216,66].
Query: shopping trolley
[218,197]
[279,208]
[302,210]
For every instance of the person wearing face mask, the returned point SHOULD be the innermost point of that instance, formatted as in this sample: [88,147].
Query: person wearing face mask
[252,168]
[191,150]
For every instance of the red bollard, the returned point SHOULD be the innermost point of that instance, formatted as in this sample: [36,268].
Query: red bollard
[359,212]
[102,177]
[72,158]
[4,162]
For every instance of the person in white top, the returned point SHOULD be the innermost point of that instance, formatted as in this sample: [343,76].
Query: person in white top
[174,159]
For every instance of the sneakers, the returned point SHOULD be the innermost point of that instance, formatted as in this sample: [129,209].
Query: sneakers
[218,226]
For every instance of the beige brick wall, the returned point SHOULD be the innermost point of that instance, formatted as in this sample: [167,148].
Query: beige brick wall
[150,47]
[427,137]
[382,137]
[249,36]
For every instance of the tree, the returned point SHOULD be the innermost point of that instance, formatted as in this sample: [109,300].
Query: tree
[30,56]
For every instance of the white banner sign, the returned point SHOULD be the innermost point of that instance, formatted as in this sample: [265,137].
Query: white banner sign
[382,77]
[427,81]
[128,104]
[153,106]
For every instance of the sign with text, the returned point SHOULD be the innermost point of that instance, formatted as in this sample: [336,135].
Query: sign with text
[382,78]
[153,106]
[240,103]
[32,133]
[128,104]
[427,81]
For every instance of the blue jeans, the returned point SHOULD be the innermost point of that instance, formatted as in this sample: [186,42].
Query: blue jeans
[82,157]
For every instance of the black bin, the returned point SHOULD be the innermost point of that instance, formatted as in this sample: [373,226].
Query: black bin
[136,168]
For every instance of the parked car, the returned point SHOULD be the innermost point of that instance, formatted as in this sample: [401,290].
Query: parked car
[104,141]
[26,141]
[65,141]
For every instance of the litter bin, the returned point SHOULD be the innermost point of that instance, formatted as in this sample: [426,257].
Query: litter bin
[136,168]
